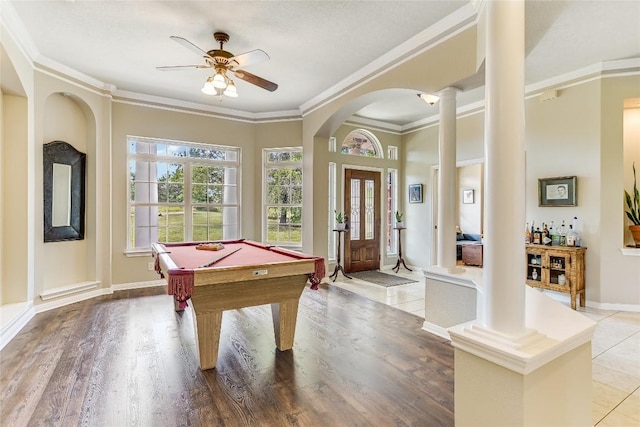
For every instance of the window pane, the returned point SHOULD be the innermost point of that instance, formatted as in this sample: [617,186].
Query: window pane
[214,194]
[199,174]
[296,195]
[296,176]
[355,210]
[369,209]
[175,193]
[198,193]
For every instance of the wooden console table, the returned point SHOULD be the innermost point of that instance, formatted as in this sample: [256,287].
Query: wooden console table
[339,267]
[400,259]
[557,268]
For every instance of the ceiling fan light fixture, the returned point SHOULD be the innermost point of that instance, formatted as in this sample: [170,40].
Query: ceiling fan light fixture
[219,80]
[208,88]
[231,90]
[428,98]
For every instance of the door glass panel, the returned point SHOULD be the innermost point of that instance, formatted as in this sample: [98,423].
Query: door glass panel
[369,209]
[355,210]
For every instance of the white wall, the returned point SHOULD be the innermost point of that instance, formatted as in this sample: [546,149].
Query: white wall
[579,133]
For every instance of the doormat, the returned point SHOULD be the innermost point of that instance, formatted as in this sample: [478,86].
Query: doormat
[382,279]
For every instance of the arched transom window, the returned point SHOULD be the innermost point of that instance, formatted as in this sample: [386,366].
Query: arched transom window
[362,143]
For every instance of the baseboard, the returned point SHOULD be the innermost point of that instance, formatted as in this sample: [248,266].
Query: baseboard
[76,288]
[566,299]
[138,285]
[436,330]
[61,302]
[12,323]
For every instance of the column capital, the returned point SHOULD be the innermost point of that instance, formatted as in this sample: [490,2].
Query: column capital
[449,90]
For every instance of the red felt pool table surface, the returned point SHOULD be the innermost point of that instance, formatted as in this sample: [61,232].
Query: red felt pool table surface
[186,256]
[250,274]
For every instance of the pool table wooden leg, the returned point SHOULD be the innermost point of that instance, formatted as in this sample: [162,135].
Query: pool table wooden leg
[284,316]
[208,337]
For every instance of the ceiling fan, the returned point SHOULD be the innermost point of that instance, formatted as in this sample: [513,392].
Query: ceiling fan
[224,62]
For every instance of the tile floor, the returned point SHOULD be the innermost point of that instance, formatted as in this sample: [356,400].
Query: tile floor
[615,348]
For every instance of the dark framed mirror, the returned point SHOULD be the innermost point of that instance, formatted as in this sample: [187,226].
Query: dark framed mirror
[64,188]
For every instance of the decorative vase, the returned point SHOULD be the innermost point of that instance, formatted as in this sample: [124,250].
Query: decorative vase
[399,224]
[340,226]
[635,232]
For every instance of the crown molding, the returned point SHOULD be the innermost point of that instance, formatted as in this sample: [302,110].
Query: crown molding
[441,31]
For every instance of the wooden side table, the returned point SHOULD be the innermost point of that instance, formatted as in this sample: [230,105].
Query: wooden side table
[472,255]
[339,267]
[400,259]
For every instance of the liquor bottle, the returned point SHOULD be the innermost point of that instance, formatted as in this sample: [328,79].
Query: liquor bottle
[575,230]
[571,236]
[537,236]
[563,234]
[546,238]
[527,235]
[553,233]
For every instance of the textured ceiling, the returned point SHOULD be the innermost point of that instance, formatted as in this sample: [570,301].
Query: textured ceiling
[313,45]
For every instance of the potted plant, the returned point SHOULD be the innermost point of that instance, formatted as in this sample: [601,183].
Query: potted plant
[399,223]
[634,209]
[339,220]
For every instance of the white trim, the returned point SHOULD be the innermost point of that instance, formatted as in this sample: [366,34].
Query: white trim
[74,288]
[448,27]
[566,299]
[138,285]
[14,317]
[434,329]
[630,251]
[40,308]
[170,104]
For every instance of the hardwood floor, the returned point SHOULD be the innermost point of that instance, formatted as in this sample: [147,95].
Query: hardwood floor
[129,360]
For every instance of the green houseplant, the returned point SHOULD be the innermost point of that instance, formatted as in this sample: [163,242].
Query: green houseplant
[399,223]
[339,220]
[633,212]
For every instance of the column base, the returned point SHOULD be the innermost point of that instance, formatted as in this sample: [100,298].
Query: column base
[539,377]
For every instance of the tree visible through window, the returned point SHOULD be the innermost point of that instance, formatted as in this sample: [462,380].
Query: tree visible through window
[181,192]
[283,196]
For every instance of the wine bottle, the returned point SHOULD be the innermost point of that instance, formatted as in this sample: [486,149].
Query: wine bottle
[527,234]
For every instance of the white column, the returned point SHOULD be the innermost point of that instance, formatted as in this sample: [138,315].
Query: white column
[447,180]
[504,253]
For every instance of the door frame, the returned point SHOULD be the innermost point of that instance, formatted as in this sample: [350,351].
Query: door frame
[382,249]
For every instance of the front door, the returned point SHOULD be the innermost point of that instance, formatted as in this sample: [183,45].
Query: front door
[362,207]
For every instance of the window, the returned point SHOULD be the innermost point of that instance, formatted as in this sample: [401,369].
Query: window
[180,192]
[392,152]
[332,210]
[392,207]
[283,196]
[361,143]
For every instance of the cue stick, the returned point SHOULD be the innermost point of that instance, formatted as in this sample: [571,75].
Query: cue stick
[209,264]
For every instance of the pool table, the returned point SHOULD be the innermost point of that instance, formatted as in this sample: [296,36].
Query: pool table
[241,274]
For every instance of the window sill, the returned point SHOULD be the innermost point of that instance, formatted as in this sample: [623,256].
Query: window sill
[138,253]
[630,251]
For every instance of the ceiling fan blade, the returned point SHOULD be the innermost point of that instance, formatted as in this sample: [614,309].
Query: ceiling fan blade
[253,79]
[180,67]
[248,58]
[186,43]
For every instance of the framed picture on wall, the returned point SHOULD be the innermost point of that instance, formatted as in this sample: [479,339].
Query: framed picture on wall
[415,193]
[467,196]
[559,191]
